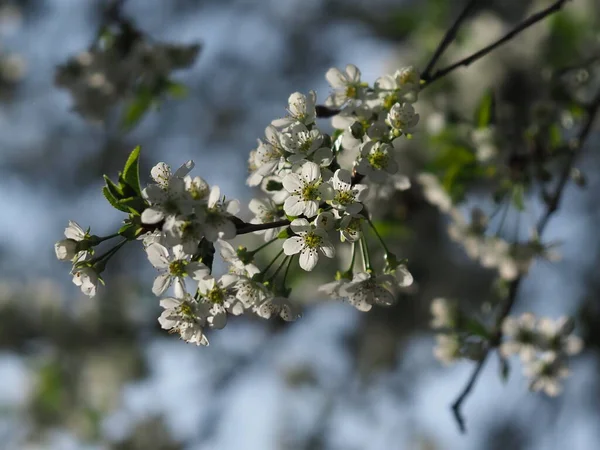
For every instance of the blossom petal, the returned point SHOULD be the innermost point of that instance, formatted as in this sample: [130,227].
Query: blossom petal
[161,284]
[308,259]
[293,245]
[158,256]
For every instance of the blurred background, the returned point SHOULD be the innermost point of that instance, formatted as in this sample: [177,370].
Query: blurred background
[81,373]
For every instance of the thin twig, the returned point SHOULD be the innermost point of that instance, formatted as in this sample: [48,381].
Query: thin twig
[534,18]
[552,206]
[252,227]
[448,38]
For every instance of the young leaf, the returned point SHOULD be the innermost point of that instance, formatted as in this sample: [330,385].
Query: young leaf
[518,197]
[113,201]
[136,109]
[113,188]
[484,114]
[177,90]
[131,171]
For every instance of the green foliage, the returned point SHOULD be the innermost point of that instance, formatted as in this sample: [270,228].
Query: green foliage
[126,196]
[484,113]
[137,107]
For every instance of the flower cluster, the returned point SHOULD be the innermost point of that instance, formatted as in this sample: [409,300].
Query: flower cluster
[310,202]
[543,345]
[123,65]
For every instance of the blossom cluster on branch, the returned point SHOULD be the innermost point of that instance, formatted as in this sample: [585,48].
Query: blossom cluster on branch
[314,186]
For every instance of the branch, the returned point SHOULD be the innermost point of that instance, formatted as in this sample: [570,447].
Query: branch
[531,20]
[552,206]
[448,38]
[245,228]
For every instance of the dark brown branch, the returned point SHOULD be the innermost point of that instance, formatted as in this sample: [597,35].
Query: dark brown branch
[552,204]
[245,228]
[448,38]
[531,20]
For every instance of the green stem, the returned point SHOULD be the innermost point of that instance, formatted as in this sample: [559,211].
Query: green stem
[381,241]
[99,239]
[365,253]
[278,269]
[272,261]
[350,270]
[256,250]
[287,269]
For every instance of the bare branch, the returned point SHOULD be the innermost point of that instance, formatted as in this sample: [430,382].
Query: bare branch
[448,38]
[531,20]
[552,206]
[245,228]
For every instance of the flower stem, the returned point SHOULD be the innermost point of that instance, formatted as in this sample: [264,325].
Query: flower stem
[287,269]
[365,253]
[350,270]
[272,261]
[279,269]
[256,250]
[381,241]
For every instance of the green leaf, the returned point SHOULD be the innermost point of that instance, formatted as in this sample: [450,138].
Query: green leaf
[177,90]
[476,328]
[484,114]
[131,171]
[136,109]
[284,234]
[131,231]
[113,188]
[518,197]
[113,201]
[136,205]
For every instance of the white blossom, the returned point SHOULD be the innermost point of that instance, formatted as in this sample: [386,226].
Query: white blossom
[402,117]
[309,241]
[87,279]
[265,211]
[366,290]
[377,161]
[186,317]
[268,157]
[162,176]
[350,228]
[555,336]
[347,86]
[277,306]
[347,197]
[218,295]
[448,348]
[520,337]
[445,314]
[301,108]
[174,266]
[217,223]
[306,190]
[236,265]
[546,373]
[165,200]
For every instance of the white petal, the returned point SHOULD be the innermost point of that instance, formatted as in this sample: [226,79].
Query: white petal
[336,78]
[161,284]
[310,208]
[257,207]
[328,249]
[353,73]
[152,215]
[292,182]
[197,271]
[293,206]
[158,256]
[184,169]
[214,197]
[308,260]
[310,171]
[293,245]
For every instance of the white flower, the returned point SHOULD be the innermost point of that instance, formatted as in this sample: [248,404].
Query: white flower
[250,292]
[165,200]
[448,348]
[403,85]
[186,317]
[308,242]
[219,296]
[87,279]
[197,187]
[444,314]
[377,160]
[273,186]
[301,108]
[277,305]
[236,265]
[347,86]
[186,231]
[365,290]
[217,223]
[306,191]
[546,373]
[350,228]
[268,157]
[347,197]
[265,211]
[174,267]
[161,173]
[325,220]
[402,117]
[303,143]
[67,249]
[333,289]
[555,336]
[520,337]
